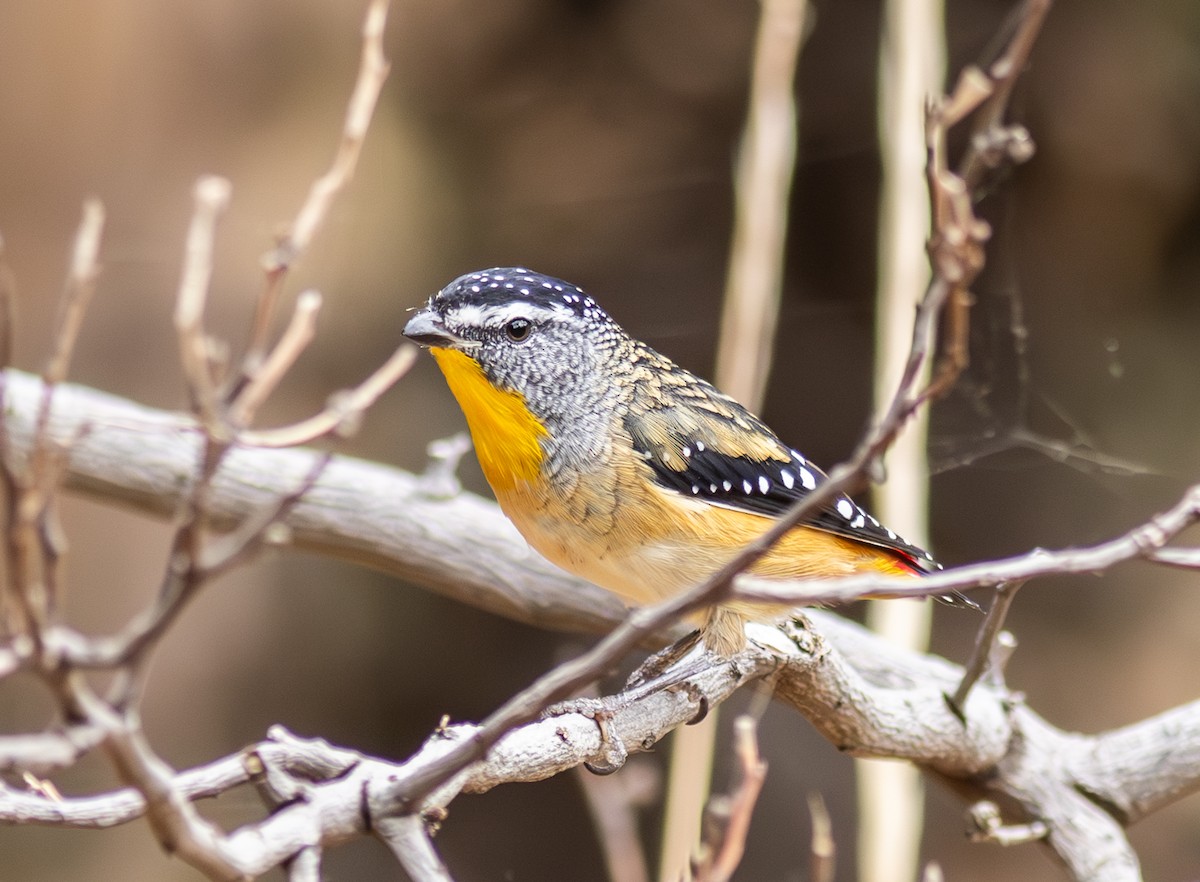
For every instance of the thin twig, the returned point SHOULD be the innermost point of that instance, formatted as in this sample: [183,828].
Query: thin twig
[1003,73]
[724,853]
[823,848]
[344,410]
[762,185]
[305,866]
[985,642]
[294,340]
[372,72]
[175,821]
[408,841]
[612,802]
[80,286]
[211,196]
[1142,541]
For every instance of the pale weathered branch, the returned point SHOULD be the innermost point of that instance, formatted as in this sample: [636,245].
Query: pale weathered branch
[1004,749]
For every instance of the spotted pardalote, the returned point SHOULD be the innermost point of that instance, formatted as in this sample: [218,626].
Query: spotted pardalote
[619,465]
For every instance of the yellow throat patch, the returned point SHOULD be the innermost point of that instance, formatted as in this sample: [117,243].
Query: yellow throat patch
[505,433]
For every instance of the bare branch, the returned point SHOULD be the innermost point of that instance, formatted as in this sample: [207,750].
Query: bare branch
[1138,769]
[81,285]
[1004,748]
[612,802]
[766,163]
[118,807]
[342,414]
[211,196]
[409,842]
[985,642]
[173,818]
[372,72]
[823,848]
[47,752]
[729,816]
[299,333]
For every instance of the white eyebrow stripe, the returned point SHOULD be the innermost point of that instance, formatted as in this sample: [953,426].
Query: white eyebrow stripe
[499,314]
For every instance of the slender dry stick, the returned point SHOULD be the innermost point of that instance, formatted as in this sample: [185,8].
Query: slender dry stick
[37,518]
[48,460]
[305,866]
[341,416]
[981,655]
[30,534]
[745,346]
[372,73]
[211,196]
[295,339]
[1026,23]
[613,810]
[409,842]
[890,796]
[823,849]
[1142,542]
[762,189]
[727,853]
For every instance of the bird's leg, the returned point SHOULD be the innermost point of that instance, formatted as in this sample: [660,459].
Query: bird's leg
[659,663]
[669,668]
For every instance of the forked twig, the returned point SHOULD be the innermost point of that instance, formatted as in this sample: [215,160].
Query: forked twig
[211,196]
[372,73]
[985,641]
[729,816]
[344,410]
[295,339]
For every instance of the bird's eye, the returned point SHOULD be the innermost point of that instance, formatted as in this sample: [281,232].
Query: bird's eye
[518,329]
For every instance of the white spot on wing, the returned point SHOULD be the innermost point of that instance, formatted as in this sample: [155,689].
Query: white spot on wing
[807,480]
[747,487]
[763,484]
[845,508]
[788,480]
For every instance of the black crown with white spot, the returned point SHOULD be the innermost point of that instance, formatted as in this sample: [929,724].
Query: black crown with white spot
[503,284]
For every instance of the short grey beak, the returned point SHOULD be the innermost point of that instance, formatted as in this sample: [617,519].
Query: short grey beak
[426,328]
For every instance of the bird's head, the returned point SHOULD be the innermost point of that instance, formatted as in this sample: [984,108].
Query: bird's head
[528,334]
[524,354]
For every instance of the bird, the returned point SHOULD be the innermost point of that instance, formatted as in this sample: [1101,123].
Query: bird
[622,467]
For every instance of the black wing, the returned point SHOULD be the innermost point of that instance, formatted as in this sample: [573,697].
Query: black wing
[723,454]
[771,487]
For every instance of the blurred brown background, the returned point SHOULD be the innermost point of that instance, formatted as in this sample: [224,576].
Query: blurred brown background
[593,140]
